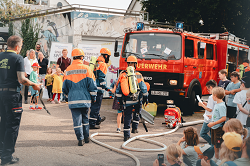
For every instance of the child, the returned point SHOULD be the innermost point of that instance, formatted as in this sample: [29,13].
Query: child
[34,93]
[208,111]
[49,83]
[223,79]
[234,125]
[231,89]
[190,139]
[174,156]
[116,106]
[240,99]
[57,85]
[205,152]
[218,117]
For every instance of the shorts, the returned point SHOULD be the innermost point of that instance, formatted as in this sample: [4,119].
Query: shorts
[216,136]
[231,111]
[115,106]
[119,111]
[33,92]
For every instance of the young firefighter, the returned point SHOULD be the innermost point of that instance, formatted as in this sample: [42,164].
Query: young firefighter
[240,99]
[100,72]
[232,88]
[208,106]
[218,117]
[81,89]
[131,101]
[34,93]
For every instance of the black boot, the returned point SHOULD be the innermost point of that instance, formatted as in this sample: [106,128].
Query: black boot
[86,140]
[134,131]
[103,118]
[126,138]
[80,143]
[94,127]
[12,161]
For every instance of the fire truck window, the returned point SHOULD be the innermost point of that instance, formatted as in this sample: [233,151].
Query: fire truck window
[189,48]
[201,48]
[210,51]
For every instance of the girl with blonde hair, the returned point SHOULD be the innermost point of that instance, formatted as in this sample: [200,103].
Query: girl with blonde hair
[236,126]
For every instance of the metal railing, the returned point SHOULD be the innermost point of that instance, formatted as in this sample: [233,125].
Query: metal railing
[81,8]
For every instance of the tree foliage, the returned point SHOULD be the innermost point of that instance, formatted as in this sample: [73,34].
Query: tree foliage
[217,15]
[29,32]
[9,10]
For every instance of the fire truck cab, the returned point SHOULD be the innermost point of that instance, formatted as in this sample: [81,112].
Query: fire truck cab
[178,64]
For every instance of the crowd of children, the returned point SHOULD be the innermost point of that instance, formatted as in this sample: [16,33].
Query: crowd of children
[227,120]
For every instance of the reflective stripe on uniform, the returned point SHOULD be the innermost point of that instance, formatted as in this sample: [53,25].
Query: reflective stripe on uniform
[102,83]
[145,94]
[85,124]
[126,129]
[79,102]
[77,127]
[100,88]
[93,93]
[138,76]
[135,121]
[118,95]
[78,71]
[92,118]
[132,102]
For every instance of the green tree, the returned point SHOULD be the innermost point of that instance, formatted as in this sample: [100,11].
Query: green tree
[217,15]
[29,32]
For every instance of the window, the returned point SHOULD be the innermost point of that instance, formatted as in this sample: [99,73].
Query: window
[189,48]
[36,2]
[210,51]
[201,48]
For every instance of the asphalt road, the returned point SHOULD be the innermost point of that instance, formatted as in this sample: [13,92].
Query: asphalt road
[50,140]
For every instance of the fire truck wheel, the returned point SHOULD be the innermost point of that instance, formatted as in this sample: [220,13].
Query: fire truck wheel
[193,102]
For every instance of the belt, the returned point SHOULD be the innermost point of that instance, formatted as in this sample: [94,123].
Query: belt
[8,89]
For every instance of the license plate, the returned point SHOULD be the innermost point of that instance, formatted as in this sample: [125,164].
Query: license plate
[160,93]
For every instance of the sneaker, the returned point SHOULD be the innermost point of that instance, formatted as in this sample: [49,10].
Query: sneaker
[53,102]
[118,130]
[32,108]
[58,102]
[38,108]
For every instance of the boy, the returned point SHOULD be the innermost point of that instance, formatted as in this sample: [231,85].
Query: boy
[218,117]
[231,89]
[208,111]
[34,93]
[205,152]
[223,79]
[240,99]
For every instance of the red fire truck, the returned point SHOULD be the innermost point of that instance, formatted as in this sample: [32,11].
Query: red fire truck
[178,64]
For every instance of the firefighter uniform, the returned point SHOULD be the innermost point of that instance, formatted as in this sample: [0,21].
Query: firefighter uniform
[80,87]
[130,103]
[100,73]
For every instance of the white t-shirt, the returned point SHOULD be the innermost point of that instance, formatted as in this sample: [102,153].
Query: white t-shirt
[240,98]
[210,105]
[27,65]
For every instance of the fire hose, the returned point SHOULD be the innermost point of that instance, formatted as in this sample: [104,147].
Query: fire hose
[142,138]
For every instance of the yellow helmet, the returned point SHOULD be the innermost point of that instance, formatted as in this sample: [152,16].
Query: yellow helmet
[77,52]
[132,58]
[105,51]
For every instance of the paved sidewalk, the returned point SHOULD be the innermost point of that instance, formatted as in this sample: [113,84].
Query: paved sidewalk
[50,140]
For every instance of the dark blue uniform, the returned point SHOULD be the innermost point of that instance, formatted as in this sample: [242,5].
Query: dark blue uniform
[10,102]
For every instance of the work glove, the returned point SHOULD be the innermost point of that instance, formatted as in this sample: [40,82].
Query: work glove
[145,100]
[93,100]
[107,89]
[111,95]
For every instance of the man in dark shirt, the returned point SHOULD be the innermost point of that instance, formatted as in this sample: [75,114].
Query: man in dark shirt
[63,62]
[38,47]
[11,75]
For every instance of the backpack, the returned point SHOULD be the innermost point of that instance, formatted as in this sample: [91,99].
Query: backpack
[230,163]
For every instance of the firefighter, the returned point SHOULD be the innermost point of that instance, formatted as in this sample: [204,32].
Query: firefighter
[129,101]
[244,67]
[100,72]
[80,87]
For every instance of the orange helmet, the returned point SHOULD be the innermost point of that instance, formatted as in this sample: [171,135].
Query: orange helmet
[77,52]
[105,51]
[132,58]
